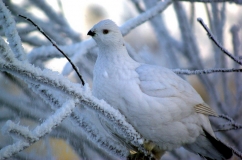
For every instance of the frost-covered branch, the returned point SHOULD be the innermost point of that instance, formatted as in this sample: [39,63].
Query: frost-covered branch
[205,71]
[105,143]
[211,36]
[213,1]
[9,26]
[49,78]
[37,133]
[143,17]
[56,46]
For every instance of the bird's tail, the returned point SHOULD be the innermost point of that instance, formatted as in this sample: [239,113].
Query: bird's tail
[209,147]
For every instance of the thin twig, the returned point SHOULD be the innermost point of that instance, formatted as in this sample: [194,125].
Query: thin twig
[229,126]
[211,36]
[54,44]
[205,71]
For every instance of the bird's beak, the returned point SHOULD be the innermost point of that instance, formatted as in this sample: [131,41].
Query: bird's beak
[91,33]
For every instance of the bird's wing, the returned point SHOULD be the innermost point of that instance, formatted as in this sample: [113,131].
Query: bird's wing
[161,82]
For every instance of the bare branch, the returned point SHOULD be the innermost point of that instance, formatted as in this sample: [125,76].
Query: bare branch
[205,71]
[210,35]
[55,45]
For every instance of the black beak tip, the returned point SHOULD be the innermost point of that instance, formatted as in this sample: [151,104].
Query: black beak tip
[91,33]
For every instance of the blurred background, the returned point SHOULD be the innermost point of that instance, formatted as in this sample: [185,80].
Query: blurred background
[173,39]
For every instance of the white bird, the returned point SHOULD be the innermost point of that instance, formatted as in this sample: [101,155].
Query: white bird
[163,108]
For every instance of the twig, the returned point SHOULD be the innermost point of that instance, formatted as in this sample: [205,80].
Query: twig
[9,27]
[211,36]
[53,43]
[205,71]
[226,117]
[143,17]
[213,1]
[38,132]
[229,126]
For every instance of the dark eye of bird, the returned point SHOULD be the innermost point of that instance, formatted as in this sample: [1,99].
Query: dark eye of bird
[105,31]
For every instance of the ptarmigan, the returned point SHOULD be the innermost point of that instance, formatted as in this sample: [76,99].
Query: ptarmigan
[162,107]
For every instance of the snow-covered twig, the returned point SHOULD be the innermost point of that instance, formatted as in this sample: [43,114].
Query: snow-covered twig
[229,126]
[9,26]
[54,99]
[214,1]
[57,18]
[13,128]
[102,142]
[5,52]
[205,71]
[49,78]
[55,45]
[38,132]
[211,36]
[143,17]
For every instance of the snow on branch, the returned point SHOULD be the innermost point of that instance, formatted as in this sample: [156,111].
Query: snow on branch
[54,100]
[32,136]
[5,52]
[213,1]
[57,18]
[56,46]
[211,36]
[143,17]
[9,27]
[30,73]
[102,142]
[13,128]
[205,71]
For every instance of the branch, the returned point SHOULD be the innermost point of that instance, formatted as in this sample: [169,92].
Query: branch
[37,133]
[54,44]
[214,1]
[205,71]
[54,99]
[9,27]
[28,72]
[211,36]
[143,17]
[104,143]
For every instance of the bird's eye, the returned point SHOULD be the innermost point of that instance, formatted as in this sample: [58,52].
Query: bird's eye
[105,31]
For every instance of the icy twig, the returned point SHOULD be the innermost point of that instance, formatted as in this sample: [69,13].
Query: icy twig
[49,78]
[205,71]
[5,52]
[38,132]
[102,142]
[48,10]
[9,27]
[226,117]
[143,17]
[54,100]
[55,45]
[13,128]
[229,126]
[211,36]
[213,1]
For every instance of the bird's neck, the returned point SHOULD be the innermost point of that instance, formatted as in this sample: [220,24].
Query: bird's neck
[114,54]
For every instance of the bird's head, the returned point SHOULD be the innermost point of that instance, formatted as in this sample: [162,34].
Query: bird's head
[106,34]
